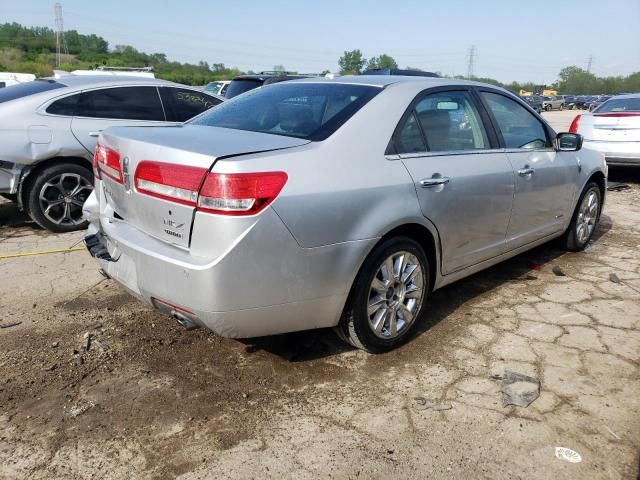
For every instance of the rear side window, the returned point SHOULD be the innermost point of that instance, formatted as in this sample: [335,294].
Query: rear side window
[410,138]
[519,127]
[448,120]
[181,104]
[236,87]
[21,90]
[127,103]
[304,110]
[451,122]
[65,106]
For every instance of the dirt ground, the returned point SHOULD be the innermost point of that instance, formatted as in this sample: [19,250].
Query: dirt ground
[147,399]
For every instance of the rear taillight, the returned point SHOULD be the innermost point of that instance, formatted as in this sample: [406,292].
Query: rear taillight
[176,183]
[240,193]
[107,161]
[574,125]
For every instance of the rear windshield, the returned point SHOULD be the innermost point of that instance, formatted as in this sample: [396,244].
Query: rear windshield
[29,88]
[236,87]
[619,105]
[312,111]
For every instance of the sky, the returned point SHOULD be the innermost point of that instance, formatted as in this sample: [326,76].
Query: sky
[523,41]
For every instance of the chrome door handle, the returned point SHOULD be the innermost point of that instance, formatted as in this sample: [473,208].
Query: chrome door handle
[433,182]
[95,134]
[523,172]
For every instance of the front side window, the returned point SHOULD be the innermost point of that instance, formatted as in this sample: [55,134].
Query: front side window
[519,127]
[126,103]
[181,104]
[451,122]
[312,111]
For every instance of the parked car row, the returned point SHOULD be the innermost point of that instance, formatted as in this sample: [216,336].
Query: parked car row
[565,102]
[49,128]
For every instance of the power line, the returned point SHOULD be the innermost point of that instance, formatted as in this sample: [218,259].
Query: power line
[471,58]
[589,63]
[61,44]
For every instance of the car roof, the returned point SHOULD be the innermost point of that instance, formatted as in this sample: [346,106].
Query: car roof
[76,81]
[385,80]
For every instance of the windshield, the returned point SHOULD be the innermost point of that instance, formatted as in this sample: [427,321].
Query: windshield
[312,111]
[29,88]
[619,105]
[238,86]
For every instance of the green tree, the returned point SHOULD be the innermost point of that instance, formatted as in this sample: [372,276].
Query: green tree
[351,62]
[576,80]
[382,61]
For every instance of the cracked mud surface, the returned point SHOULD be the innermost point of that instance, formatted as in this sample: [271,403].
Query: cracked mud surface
[150,400]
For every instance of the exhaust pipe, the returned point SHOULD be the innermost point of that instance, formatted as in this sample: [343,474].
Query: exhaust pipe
[184,321]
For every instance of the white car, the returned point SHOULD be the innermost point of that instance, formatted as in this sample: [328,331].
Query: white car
[218,88]
[613,129]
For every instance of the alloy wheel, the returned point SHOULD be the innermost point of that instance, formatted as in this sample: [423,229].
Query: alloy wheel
[62,196]
[587,217]
[395,295]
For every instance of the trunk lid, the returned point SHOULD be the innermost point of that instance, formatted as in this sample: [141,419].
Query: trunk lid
[189,145]
[611,127]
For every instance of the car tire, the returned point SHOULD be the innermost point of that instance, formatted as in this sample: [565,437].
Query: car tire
[585,219]
[55,196]
[380,300]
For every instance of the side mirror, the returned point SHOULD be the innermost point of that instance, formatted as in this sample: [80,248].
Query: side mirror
[568,142]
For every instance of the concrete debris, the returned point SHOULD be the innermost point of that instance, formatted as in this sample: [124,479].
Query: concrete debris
[87,342]
[101,345]
[527,277]
[558,271]
[614,278]
[80,408]
[618,187]
[9,325]
[518,389]
[568,455]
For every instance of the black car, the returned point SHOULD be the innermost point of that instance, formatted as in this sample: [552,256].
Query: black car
[244,83]
[571,102]
[534,102]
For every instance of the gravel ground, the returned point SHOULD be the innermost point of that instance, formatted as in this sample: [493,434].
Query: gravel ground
[94,384]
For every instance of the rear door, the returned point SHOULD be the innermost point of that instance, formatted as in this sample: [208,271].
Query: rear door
[545,179]
[123,106]
[464,183]
[182,104]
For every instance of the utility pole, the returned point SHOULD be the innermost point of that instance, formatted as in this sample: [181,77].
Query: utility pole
[61,45]
[471,58]
[589,63]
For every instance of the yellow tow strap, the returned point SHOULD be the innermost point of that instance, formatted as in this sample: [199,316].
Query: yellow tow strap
[46,252]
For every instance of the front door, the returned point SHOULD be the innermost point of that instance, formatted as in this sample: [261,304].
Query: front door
[545,179]
[464,185]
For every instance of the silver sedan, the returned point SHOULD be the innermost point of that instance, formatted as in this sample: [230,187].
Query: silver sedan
[49,128]
[335,203]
